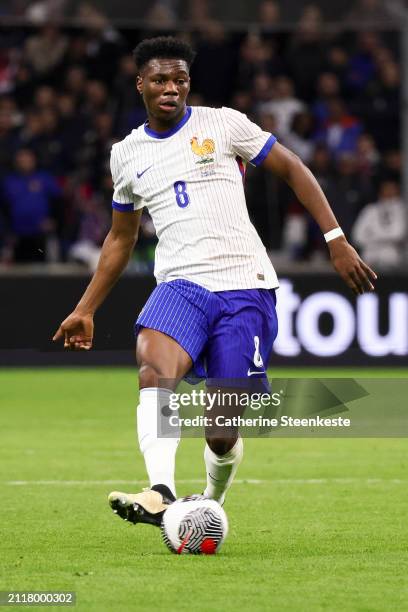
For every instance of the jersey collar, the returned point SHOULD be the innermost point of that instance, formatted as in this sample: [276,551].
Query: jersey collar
[172,130]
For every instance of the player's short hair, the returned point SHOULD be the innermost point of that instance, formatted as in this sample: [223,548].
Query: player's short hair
[163,47]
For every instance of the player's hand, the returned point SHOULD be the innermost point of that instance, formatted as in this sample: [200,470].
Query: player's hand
[77,331]
[346,261]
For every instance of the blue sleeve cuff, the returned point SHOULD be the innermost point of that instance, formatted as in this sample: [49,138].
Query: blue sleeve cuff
[123,207]
[264,151]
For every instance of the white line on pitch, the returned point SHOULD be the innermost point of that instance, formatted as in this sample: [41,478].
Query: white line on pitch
[250,481]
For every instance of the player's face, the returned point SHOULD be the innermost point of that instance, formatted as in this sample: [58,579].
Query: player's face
[164,84]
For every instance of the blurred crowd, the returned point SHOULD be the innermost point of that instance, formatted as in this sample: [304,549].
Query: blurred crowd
[332,96]
[172,13]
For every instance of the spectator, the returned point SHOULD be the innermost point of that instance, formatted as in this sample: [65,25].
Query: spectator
[261,91]
[380,229]
[361,69]
[96,99]
[391,167]
[299,137]
[93,225]
[103,43]
[8,105]
[267,122]
[321,166]
[382,55]
[24,85]
[75,83]
[242,101]
[8,69]
[45,98]
[368,157]
[337,62]
[45,51]
[95,152]
[306,56]
[348,191]
[295,233]
[76,54]
[72,127]
[367,14]
[382,116]
[198,13]
[7,140]
[284,105]
[129,109]
[268,198]
[30,195]
[340,131]
[31,132]
[50,147]
[147,241]
[253,60]
[46,10]
[328,87]
[269,15]
[213,49]
[162,15]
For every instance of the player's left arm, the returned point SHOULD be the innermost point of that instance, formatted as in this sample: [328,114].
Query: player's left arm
[345,259]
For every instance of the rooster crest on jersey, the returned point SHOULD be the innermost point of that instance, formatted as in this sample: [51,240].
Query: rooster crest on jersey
[204,150]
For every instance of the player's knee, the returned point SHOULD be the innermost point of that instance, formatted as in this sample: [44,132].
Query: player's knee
[151,375]
[221,446]
[160,360]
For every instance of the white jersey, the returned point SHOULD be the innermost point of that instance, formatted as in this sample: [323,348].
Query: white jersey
[190,179]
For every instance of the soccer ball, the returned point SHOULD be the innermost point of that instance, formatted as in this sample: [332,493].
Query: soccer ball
[194,525]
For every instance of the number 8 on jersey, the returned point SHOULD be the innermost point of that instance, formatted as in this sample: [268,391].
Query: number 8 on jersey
[182,197]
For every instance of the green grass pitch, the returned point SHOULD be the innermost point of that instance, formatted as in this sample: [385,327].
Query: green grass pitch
[324,527]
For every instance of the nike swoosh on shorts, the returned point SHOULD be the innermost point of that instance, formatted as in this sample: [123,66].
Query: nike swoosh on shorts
[251,373]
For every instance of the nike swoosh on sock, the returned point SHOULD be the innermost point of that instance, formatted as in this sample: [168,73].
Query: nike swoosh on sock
[216,479]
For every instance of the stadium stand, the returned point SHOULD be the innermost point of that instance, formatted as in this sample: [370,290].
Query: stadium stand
[67,94]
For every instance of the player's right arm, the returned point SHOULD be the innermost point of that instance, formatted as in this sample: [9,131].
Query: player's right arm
[77,328]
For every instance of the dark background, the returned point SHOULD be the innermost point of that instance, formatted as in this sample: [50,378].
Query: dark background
[31,309]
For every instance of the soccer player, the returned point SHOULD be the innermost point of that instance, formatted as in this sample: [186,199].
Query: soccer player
[215,297]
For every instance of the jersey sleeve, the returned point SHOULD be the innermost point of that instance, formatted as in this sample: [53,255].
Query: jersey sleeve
[123,199]
[248,140]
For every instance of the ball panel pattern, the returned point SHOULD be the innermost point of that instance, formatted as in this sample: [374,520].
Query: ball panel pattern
[192,520]
[198,525]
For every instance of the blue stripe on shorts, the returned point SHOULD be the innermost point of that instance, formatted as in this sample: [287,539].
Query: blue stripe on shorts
[228,334]
[179,309]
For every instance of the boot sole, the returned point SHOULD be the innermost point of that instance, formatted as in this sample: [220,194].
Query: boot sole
[135,513]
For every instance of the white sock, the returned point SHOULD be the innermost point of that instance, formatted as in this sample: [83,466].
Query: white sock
[221,470]
[159,453]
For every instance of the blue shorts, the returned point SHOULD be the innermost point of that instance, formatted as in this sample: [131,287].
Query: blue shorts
[228,334]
